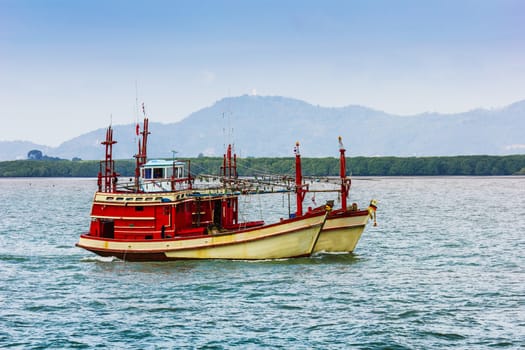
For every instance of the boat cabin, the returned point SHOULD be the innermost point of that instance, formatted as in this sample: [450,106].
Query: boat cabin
[163,176]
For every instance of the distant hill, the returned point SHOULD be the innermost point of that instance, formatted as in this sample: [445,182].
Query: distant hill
[270,125]
[13,150]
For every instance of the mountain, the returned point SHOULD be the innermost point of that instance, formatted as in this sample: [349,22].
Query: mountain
[270,125]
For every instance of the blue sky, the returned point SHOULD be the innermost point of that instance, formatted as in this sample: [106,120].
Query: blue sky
[67,66]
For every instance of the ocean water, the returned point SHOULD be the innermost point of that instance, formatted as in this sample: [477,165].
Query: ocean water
[444,268]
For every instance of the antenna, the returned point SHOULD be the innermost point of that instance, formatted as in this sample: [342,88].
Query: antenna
[137,126]
[136,102]
[230,129]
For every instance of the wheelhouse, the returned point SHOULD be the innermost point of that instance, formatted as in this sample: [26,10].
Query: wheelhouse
[163,176]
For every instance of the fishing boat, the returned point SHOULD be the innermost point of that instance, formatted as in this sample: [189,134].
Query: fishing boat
[162,216]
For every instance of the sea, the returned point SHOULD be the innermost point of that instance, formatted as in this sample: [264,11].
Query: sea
[443,268]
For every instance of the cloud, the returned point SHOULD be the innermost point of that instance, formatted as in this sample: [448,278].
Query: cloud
[514,147]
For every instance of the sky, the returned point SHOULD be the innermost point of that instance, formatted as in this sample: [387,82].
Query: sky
[70,67]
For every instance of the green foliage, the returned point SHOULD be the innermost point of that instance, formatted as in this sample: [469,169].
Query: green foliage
[34,154]
[359,166]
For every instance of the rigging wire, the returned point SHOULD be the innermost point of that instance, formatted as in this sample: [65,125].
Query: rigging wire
[260,208]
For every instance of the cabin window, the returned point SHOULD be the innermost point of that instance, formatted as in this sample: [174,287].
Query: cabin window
[147,173]
[158,173]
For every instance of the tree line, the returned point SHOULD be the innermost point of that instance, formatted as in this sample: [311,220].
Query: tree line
[357,166]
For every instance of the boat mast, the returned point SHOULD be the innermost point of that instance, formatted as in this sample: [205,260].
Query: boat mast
[142,155]
[229,168]
[107,168]
[345,182]
[300,190]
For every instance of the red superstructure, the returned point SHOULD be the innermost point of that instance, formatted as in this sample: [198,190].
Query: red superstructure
[162,203]
[301,188]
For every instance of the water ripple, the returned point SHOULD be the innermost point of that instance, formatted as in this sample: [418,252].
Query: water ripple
[443,269]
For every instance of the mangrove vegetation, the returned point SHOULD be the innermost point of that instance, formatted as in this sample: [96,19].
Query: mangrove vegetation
[357,166]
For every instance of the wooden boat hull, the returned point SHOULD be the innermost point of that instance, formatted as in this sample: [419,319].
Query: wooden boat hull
[286,239]
[342,231]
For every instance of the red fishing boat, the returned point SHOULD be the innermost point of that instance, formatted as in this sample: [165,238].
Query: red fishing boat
[161,216]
